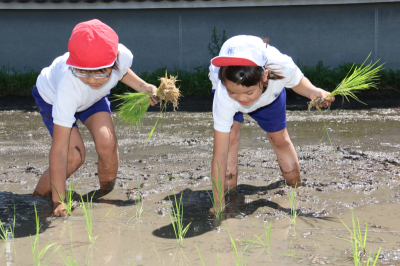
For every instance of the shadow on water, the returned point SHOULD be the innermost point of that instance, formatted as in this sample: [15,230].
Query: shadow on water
[25,219]
[97,198]
[196,206]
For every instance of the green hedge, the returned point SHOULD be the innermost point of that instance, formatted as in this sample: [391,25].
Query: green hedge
[196,82]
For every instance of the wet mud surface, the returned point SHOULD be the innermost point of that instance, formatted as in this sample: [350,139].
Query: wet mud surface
[359,174]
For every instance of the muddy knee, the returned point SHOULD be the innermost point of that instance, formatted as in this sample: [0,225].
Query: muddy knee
[107,185]
[292,177]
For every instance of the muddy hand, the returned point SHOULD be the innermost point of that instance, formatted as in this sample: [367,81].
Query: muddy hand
[59,210]
[219,207]
[154,97]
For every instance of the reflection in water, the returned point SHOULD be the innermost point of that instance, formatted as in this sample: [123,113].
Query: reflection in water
[196,205]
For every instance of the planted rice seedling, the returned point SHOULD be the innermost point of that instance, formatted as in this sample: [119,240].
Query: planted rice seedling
[176,217]
[134,105]
[358,241]
[239,260]
[3,232]
[292,199]
[257,240]
[36,253]
[88,212]
[68,203]
[68,259]
[217,200]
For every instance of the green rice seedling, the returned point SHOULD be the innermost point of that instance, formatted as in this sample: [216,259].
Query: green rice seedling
[3,232]
[358,78]
[176,217]
[257,239]
[68,259]
[135,105]
[68,203]
[217,204]
[292,199]
[88,212]
[358,241]
[36,253]
[139,206]
[376,258]
[239,261]
[201,258]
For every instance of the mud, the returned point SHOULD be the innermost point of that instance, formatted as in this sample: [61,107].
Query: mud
[359,173]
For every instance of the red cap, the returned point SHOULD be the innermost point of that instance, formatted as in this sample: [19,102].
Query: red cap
[93,45]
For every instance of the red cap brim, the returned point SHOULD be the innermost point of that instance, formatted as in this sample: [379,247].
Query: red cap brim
[231,61]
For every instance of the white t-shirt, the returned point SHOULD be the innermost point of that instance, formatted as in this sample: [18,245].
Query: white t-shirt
[224,107]
[68,94]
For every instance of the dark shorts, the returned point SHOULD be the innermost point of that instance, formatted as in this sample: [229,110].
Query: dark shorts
[272,117]
[46,110]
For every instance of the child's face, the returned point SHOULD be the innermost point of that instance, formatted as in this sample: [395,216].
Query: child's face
[245,95]
[94,82]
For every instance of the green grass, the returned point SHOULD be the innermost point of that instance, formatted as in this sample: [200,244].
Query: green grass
[37,253]
[176,216]
[88,214]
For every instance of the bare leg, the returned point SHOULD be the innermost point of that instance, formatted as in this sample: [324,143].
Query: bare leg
[76,157]
[232,165]
[101,127]
[287,156]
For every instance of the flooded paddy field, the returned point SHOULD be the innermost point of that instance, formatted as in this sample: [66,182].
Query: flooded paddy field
[360,176]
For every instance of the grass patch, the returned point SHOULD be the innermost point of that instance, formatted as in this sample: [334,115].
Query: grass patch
[176,217]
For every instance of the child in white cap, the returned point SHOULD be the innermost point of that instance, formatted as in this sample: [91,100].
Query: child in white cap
[76,86]
[250,76]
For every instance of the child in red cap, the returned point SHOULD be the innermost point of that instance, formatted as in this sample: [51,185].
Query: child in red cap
[250,76]
[76,86]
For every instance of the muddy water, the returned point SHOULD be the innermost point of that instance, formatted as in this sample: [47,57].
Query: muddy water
[360,175]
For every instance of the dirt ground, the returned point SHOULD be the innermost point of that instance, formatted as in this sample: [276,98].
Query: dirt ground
[358,175]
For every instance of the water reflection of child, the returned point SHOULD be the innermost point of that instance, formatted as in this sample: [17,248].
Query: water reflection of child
[250,76]
[76,86]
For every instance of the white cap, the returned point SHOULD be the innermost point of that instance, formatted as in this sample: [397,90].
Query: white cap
[242,50]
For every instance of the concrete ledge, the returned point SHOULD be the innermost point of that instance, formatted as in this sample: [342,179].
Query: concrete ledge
[182,4]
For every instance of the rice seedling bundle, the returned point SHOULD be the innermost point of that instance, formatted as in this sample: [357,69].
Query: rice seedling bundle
[359,78]
[134,105]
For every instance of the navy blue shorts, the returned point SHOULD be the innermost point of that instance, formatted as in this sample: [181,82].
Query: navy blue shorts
[272,117]
[46,110]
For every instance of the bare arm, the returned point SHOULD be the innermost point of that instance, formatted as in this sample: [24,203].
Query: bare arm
[135,82]
[307,89]
[219,163]
[58,165]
